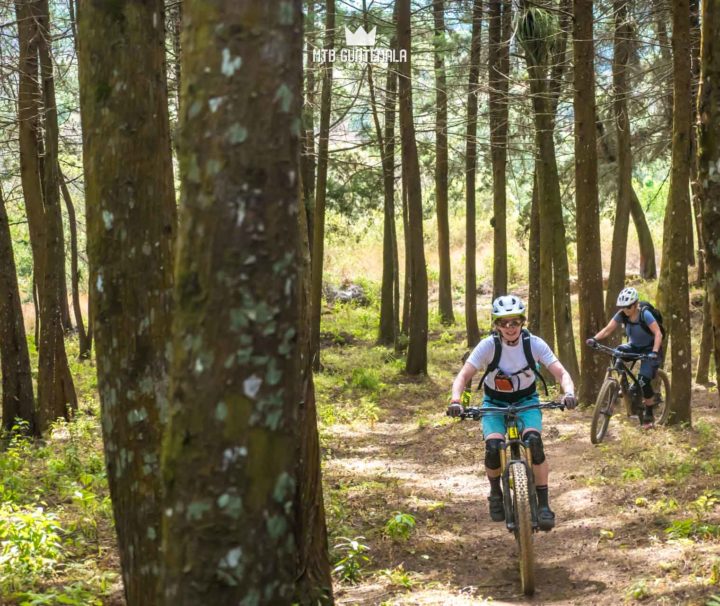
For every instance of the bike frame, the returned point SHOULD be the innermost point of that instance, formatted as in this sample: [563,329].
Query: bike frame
[619,367]
[519,452]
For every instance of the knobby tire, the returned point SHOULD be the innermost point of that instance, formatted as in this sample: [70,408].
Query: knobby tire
[604,407]
[523,527]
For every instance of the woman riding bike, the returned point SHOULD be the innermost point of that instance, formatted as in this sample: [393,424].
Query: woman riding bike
[644,337]
[510,355]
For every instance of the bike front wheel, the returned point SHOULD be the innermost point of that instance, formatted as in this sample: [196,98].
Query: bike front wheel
[604,407]
[523,527]
[661,387]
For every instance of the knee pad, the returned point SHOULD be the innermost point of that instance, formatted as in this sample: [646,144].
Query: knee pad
[492,453]
[646,385]
[535,444]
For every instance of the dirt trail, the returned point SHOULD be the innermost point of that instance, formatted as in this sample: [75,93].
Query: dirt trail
[602,549]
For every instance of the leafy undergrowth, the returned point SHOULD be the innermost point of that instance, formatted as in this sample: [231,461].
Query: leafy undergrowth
[639,516]
[56,535]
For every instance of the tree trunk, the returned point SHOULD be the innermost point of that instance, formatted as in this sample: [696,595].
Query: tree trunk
[555,292]
[662,17]
[441,166]
[407,289]
[471,320]
[648,268]
[314,583]
[388,313]
[230,458]
[307,158]
[709,160]
[695,187]
[616,279]
[702,376]
[498,78]
[587,204]
[84,341]
[416,362]
[131,222]
[534,261]
[318,215]
[56,393]
[17,388]
[673,294]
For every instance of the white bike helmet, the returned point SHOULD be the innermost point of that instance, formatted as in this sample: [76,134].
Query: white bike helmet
[627,296]
[507,306]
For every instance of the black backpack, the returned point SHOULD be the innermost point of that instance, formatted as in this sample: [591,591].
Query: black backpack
[494,363]
[646,305]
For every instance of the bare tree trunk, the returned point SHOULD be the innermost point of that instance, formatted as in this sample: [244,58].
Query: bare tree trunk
[131,219]
[313,583]
[318,215]
[307,157]
[498,78]
[648,267]
[587,202]
[616,279]
[441,166]
[407,289]
[534,305]
[702,375]
[84,342]
[673,295]
[416,362]
[471,321]
[388,329]
[708,144]
[17,388]
[56,393]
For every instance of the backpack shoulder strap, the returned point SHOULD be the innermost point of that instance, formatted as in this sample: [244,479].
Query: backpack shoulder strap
[495,362]
[645,306]
[532,362]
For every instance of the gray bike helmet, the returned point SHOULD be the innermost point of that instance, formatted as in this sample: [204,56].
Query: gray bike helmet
[627,296]
[507,306]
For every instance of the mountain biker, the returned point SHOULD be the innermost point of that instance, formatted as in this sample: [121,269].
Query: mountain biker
[512,382]
[644,336]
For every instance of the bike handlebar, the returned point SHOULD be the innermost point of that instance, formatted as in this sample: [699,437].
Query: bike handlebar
[625,355]
[477,412]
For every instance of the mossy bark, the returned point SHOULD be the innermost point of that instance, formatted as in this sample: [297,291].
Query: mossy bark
[131,223]
[230,456]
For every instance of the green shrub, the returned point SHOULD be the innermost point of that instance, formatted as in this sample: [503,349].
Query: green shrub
[353,559]
[400,526]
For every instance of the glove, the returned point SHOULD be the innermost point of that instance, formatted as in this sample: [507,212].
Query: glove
[653,356]
[455,409]
[570,401]
[591,342]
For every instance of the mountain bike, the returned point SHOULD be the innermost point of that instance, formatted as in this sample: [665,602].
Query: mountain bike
[620,381]
[518,482]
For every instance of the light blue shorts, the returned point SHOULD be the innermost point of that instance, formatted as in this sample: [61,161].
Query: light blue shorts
[496,423]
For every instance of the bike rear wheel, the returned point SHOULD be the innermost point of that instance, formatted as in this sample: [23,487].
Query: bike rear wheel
[661,387]
[604,408]
[523,527]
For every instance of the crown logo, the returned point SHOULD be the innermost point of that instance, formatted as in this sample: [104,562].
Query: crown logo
[360,37]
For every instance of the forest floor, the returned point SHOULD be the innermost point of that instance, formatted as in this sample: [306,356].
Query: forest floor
[638,517]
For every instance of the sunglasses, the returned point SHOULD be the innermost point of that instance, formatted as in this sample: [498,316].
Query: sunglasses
[509,323]
[628,306]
